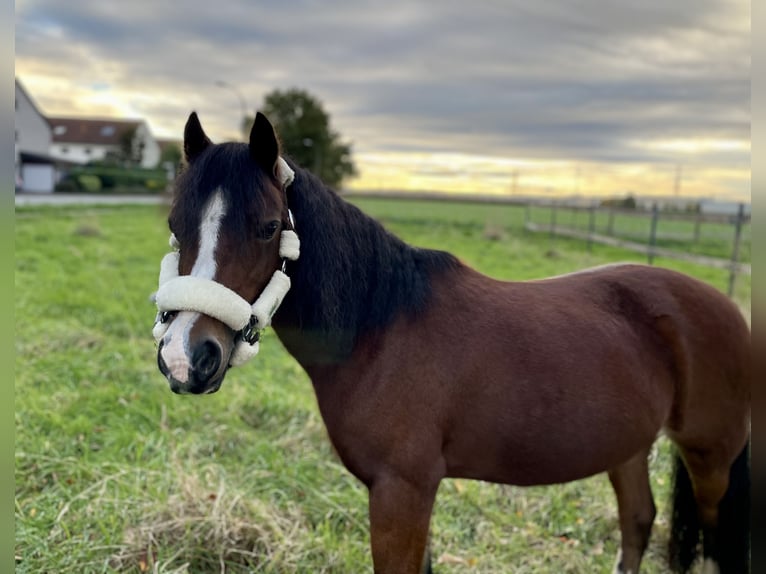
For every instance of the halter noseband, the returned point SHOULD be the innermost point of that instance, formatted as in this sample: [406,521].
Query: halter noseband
[189,293]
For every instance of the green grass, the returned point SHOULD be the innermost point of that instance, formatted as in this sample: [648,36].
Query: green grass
[114,473]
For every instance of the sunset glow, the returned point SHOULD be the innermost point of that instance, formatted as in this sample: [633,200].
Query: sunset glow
[525,102]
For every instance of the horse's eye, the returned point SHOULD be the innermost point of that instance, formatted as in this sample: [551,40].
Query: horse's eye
[270,229]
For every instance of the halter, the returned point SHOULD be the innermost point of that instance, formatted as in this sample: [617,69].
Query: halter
[189,293]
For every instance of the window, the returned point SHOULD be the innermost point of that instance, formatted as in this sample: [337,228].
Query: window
[59,130]
[107,131]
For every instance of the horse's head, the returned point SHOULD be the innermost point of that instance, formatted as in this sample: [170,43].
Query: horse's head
[228,212]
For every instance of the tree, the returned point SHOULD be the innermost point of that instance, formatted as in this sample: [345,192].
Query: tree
[170,155]
[130,150]
[306,136]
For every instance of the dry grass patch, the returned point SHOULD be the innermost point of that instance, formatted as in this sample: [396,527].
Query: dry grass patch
[207,525]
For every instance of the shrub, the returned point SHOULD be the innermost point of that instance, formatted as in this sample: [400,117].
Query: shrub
[96,178]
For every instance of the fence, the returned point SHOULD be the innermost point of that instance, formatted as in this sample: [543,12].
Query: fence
[713,240]
[704,237]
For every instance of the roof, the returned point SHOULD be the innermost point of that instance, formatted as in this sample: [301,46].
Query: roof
[88,131]
[32,103]
[36,158]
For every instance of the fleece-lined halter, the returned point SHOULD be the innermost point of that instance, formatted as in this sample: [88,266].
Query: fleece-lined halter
[189,293]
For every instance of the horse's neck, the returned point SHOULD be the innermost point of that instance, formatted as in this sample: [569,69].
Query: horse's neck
[352,277]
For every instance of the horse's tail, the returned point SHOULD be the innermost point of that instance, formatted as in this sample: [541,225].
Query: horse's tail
[733,533]
[733,530]
[684,520]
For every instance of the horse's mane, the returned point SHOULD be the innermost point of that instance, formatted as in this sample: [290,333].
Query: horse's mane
[353,276]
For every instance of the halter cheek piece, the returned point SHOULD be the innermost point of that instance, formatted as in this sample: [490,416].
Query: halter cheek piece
[190,293]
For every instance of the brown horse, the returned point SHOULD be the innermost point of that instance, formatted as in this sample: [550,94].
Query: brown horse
[424,368]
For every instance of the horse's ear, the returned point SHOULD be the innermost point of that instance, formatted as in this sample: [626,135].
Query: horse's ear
[264,146]
[195,140]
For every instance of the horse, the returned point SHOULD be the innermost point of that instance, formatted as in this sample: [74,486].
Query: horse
[424,368]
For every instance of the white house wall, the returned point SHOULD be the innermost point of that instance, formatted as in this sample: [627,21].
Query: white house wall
[83,153]
[33,134]
[38,178]
[151,155]
[79,153]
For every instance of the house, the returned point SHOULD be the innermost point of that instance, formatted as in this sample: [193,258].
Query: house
[45,147]
[667,203]
[82,140]
[724,207]
[34,169]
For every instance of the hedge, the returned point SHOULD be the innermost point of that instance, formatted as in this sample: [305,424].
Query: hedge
[96,178]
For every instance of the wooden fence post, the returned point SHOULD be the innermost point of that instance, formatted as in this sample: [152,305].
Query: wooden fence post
[735,250]
[553,219]
[591,225]
[697,226]
[653,232]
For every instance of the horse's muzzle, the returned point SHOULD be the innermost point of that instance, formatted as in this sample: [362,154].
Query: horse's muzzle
[205,374]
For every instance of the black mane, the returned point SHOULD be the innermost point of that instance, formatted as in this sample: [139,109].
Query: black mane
[353,276]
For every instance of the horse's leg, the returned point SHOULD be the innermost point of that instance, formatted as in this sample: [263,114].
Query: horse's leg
[721,490]
[400,513]
[636,509]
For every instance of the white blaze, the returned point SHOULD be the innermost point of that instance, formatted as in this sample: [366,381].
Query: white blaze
[205,265]
[176,351]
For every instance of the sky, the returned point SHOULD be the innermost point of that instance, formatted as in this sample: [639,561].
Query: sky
[544,97]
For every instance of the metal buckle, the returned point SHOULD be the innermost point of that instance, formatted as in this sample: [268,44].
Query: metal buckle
[250,334]
[292,227]
[164,316]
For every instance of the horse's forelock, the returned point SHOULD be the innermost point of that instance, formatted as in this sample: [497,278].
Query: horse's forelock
[229,169]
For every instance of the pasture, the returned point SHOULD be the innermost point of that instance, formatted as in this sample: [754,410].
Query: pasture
[114,473]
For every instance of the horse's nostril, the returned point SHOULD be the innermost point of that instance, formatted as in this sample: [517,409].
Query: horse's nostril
[206,360]
[161,361]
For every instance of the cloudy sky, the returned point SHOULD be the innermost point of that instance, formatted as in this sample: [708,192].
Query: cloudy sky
[541,97]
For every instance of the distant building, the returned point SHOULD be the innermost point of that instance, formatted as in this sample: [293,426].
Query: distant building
[667,203]
[34,169]
[711,206]
[82,140]
[692,204]
[46,147]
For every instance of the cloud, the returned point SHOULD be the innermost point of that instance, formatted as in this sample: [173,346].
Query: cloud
[578,79]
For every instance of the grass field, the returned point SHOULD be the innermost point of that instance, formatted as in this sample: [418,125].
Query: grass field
[114,473]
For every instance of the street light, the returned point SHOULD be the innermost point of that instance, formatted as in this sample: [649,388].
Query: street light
[240,97]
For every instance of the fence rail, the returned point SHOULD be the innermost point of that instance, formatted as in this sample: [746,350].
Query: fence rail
[718,263]
[701,227]
[650,248]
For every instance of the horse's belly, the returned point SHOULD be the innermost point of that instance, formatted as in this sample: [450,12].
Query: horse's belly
[529,446]
[527,469]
